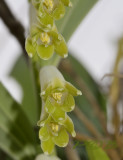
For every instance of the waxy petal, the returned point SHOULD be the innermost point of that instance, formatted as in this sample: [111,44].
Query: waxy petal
[45,52]
[44,134]
[59,115]
[49,107]
[47,146]
[68,124]
[67,3]
[62,139]
[44,18]
[61,47]
[69,103]
[59,11]
[72,90]
[44,121]
[30,48]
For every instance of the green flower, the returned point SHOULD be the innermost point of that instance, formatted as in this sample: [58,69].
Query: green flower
[53,133]
[44,43]
[57,93]
[50,10]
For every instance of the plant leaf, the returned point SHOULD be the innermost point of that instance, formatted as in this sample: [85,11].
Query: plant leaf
[23,74]
[95,152]
[16,134]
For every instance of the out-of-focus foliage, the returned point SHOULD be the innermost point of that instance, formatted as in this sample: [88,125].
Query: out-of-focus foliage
[17,137]
[96,153]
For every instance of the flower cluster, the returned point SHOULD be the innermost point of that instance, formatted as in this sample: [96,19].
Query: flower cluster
[44,38]
[57,96]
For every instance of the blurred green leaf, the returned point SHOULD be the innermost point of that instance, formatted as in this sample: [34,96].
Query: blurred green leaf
[23,74]
[89,82]
[17,137]
[95,152]
[4,156]
[74,16]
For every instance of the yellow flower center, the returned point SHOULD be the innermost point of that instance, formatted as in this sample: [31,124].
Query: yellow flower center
[49,4]
[57,96]
[54,127]
[45,38]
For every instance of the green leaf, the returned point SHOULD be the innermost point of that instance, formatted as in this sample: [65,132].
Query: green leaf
[74,16]
[95,152]
[23,74]
[91,84]
[17,138]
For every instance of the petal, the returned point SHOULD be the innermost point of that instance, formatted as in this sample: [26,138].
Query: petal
[72,90]
[61,47]
[69,103]
[59,11]
[30,48]
[34,30]
[68,124]
[57,83]
[62,139]
[45,52]
[49,107]
[59,115]
[44,134]
[44,121]
[67,3]
[45,19]
[47,146]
